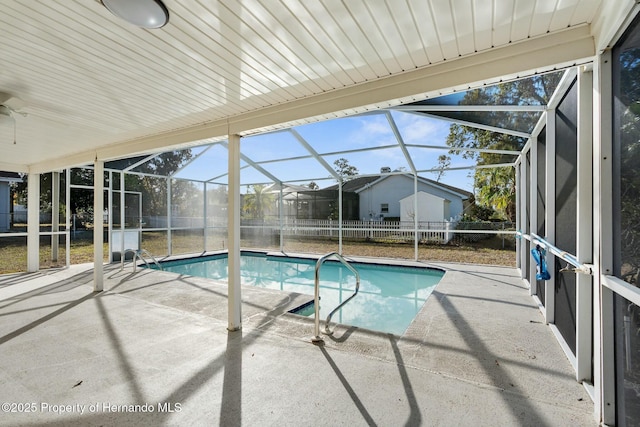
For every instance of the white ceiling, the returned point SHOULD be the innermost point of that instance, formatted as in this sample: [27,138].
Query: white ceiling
[96,86]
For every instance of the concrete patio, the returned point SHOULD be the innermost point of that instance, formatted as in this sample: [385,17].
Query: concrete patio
[153,349]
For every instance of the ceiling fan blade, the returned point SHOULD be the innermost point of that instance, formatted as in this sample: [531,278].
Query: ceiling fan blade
[11,101]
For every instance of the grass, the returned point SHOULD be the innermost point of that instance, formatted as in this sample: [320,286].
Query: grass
[13,251]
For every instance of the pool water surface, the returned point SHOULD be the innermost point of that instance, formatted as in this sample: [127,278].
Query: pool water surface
[388,300]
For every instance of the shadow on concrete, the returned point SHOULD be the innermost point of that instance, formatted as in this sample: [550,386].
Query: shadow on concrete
[120,355]
[415,418]
[345,383]
[16,278]
[493,300]
[75,281]
[44,319]
[231,405]
[489,363]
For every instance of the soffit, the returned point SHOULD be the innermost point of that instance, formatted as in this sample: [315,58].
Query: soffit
[92,82]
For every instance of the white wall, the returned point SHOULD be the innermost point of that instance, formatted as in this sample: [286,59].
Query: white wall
[394,188]
[430,208]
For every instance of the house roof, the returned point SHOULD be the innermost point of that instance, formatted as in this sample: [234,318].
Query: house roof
[410,196]
[93,86]
[465,193]
[9,177]
[359,184]
[355,184]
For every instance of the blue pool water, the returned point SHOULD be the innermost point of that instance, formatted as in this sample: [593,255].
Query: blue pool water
[388,300]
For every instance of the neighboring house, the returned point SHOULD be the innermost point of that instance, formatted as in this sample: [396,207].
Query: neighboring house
[6,179]
[393,196]
[372,198]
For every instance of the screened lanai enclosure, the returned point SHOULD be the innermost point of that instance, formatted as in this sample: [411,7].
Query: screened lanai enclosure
[406,174]
[294,189]
[513,124]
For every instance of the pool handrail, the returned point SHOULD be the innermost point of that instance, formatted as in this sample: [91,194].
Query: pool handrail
[139,254]
[316,294]
[580,267]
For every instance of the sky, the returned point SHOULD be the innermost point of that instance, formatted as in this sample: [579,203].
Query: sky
[330,136]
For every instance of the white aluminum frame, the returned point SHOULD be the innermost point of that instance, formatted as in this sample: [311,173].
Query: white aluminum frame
[550,205]
[584,226]
[533,209]
[603,334]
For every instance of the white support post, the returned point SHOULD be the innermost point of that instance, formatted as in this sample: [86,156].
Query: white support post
[169,209]
[340,216]
[518,218]
[233,212]
[123,219]
[55,215]
[110,218]
[33,222]
[523,216]
[67,215]
[603,332]
[533,209]
[584,247]
[415,217]
[281,217]
[550,214]
[204,219]
[98,228]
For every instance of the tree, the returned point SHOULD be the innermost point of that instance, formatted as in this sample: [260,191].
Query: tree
[629,146]
[256,202]
[81,200]
[153,189]
[344,169]
[312,185]
[444,162]
[496,187]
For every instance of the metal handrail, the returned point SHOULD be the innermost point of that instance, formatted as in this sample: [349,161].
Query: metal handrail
[138,253]
[316,294]
[564,255]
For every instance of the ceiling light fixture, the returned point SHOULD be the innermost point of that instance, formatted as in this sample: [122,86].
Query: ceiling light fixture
[148,14]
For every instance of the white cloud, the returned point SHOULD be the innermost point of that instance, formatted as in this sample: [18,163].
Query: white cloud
[373,130]
[422,130]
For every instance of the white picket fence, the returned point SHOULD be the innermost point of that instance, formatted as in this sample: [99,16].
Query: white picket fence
[441,232]
[431,231]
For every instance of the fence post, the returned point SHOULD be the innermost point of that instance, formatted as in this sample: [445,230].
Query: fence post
[446,233]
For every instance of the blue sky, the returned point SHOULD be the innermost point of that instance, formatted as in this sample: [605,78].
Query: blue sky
[349,133]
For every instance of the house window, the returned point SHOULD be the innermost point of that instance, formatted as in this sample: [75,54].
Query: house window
[384,208]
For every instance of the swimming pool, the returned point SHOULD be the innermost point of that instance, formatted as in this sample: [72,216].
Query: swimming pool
[388,300]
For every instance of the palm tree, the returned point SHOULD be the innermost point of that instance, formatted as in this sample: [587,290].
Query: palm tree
[256,202]
[496,188]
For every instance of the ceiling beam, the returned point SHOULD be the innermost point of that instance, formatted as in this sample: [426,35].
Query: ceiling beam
[256,166]
[478,125]
[479,108]
[475,150]
[314,153]
[403,147]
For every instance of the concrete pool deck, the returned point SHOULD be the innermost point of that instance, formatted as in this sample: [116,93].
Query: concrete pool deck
[153,349]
